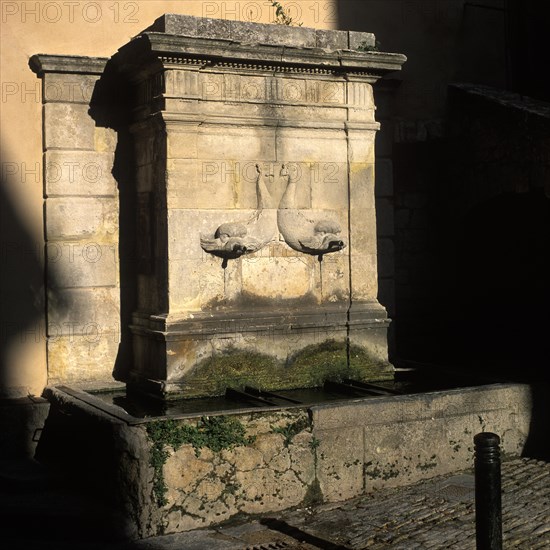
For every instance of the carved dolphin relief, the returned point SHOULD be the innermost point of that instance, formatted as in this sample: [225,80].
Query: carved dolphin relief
[231,240]
[315,237]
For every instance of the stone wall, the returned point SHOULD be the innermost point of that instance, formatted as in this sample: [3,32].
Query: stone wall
[81,224]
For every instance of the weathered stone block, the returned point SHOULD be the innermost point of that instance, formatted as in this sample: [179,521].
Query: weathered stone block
[365,284]
[278,278]
[363,227]
[283,35]
[81,358]
[329,184]
[205,185]
[331,39]
[196,285]
[361,185]
[72,310]
[340,462]
[361,40]
[361,146]
[82,264]
[81,218]
[68,126]
[361,98]
[184,471]
[68,87]
[76,173]
[246,32]
[182,144]
[369,349]
[333,279]
[313,146]
[236,144]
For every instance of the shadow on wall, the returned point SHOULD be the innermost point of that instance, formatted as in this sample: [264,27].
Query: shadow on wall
[109,109]
[22,322]
[21,287]
[472,286]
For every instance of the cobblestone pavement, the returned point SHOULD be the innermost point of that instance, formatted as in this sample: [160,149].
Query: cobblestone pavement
[438,513]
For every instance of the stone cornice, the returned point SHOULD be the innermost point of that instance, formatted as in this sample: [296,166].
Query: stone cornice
[75,64]
[208,52]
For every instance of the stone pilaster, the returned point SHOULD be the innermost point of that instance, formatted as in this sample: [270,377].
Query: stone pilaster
[81,224]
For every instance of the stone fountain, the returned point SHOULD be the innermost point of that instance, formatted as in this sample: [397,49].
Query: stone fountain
[254,155]
[245,153]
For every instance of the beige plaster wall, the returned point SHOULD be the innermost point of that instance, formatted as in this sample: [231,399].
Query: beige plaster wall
[77,28]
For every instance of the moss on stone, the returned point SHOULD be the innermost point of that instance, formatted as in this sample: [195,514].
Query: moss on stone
[229,369]
[314,494]
[215,433]
[310,367]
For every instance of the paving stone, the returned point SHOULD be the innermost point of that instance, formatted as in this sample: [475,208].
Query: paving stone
[418,517]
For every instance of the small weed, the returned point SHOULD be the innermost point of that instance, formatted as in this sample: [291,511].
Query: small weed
[365,47]
[282,17]
[290,430]
[314,444]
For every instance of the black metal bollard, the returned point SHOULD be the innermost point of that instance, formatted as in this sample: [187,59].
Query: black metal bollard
[488,492]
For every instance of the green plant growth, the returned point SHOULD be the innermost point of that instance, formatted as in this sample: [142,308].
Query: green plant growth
[314,444]
[290,430]
[282,17]
[365,47]
[215,433]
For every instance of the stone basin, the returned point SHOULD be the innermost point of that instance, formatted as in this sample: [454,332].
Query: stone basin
[168,474]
